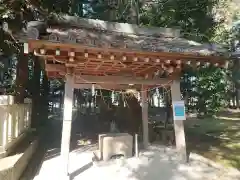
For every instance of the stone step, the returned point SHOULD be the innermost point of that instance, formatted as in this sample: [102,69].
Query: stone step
[12,166]
[14,144]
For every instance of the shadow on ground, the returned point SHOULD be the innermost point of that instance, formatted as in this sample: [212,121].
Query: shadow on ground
[49,147]
[216,138]
[153,164]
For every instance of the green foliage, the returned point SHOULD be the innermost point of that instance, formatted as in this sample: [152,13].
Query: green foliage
[235,36]
[211,90]
[205,89]
[17,13]
[194,18]
[8,73]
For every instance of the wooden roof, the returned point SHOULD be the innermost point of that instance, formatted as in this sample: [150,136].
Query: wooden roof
[103,34]
[89,47]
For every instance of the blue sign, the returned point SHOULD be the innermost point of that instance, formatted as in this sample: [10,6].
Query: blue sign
[179,110]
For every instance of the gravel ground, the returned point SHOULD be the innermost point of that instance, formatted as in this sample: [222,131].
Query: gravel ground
[156,163]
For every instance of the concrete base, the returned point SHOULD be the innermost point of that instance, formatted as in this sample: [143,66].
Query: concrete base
[115,144]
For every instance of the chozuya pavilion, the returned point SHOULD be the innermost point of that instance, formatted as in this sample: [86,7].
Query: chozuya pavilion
[112,56]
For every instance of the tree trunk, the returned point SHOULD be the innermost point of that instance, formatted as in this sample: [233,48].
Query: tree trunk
[168,102]
[22,78]
[135,114]
[121,100]
[134,12]
[44,98]
[36,93]
[236,74]
[238,98]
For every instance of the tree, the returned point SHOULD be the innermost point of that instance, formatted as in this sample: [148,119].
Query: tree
[198,20]
[194,18]
[203,88]
[235,61]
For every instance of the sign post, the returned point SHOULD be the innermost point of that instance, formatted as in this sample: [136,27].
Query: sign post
[179,110]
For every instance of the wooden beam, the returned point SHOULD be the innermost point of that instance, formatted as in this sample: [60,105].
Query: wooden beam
[107,86]
[85,79]
[55,68]
[36,44]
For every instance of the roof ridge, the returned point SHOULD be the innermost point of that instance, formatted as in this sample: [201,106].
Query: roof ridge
[113,26]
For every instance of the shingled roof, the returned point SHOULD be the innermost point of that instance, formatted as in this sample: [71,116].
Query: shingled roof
[98,33]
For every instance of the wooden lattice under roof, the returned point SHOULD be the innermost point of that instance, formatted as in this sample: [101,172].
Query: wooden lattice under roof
[97,48]
[97,61]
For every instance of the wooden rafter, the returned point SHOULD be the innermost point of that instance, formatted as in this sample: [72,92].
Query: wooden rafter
[37,44]
[91,61]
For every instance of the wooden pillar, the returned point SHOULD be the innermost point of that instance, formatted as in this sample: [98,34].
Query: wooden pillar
[67,123]
[144,116]
[179,124]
